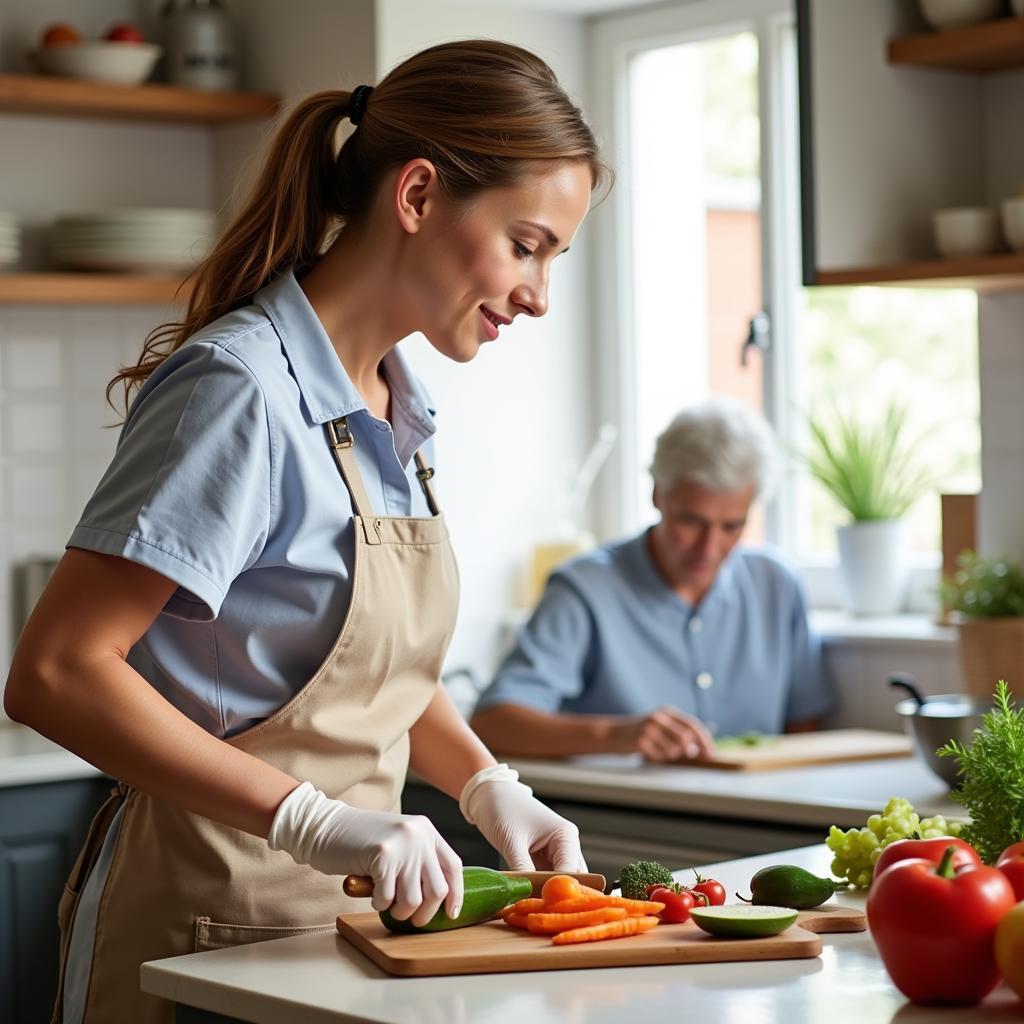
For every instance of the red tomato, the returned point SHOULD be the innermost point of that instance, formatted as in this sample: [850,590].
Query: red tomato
[124,33]
[1011,863]
[929,849]
[677,904]
[712,889]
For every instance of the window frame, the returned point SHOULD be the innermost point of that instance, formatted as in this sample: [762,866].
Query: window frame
[613,41]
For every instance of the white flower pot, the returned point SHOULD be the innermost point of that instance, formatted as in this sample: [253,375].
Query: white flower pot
[873,564]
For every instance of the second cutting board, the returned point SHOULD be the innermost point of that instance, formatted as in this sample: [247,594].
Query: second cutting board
[792,751]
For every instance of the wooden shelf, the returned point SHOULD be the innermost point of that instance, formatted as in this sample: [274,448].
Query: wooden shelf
[997,273]
[988,46]
[43,94]
[69,289]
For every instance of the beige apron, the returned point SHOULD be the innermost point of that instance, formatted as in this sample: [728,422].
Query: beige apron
[180,883]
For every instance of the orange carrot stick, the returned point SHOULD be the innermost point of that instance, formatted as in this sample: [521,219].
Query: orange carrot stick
[610,930]
[551,924]
[516,920]
[560,887]
[531,905]
[632,907]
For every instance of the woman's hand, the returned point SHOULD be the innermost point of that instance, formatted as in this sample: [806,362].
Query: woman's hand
[527,834]
[666,734]
[413,869]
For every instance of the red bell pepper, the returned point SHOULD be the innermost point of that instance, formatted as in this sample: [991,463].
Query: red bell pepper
[934,927]
[1011,863]
[929,849]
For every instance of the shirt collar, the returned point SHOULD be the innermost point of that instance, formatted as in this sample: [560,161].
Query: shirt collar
[326,388]
[721,591]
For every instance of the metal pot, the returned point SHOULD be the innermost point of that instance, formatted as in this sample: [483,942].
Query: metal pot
[933,721]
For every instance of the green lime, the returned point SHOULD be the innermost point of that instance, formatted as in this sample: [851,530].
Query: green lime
[742,921]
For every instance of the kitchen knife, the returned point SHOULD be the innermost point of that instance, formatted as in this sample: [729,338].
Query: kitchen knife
[360,886]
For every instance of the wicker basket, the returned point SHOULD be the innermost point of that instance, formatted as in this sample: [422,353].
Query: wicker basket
[990,650]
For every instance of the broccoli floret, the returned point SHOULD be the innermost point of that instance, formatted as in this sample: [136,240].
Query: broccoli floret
[634,878]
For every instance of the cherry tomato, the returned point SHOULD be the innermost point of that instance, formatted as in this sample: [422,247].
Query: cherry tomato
[1011,863]
[711,888]
[678,904]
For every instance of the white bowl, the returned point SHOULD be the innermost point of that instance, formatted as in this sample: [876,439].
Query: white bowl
[956,13]
[1013,222]
[123,63]
[967,231]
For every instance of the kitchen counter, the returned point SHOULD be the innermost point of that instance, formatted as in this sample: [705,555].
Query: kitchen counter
[27,758]
[316,979]
[820,795]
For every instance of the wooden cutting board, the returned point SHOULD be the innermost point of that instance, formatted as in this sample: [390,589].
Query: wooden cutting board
[809,748]
[495,947]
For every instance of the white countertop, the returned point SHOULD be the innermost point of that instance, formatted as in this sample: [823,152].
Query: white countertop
[27,758]
[314,979]
[831,794]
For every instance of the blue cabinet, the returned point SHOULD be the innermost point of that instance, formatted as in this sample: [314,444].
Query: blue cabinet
[42,827]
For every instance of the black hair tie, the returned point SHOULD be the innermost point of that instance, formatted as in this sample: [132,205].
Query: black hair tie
[357,102]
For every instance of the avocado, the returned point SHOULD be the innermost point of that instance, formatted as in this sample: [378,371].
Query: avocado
[786,885]
[486,891]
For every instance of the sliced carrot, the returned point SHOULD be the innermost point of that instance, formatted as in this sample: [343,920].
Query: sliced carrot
[551,924]
[560,887]
[516,920]
[610,930]
[636,908]
[531,905]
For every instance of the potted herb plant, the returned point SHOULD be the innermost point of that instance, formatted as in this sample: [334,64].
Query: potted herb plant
[986,597]
[873,470]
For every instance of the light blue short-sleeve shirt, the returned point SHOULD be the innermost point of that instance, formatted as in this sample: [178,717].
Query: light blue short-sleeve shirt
[223,482]
[609,636]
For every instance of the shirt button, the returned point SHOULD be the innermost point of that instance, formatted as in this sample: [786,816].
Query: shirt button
[705,680]
[696,625]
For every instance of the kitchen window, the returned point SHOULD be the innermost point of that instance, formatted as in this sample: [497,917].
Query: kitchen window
[700,275]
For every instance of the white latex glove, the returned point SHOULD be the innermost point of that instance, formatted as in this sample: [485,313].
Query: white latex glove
[527,834]
[412,867]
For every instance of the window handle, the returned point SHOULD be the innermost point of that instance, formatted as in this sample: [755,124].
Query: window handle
[759,335]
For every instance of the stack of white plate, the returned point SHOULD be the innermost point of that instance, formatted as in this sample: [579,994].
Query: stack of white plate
[10,239]
[133,239]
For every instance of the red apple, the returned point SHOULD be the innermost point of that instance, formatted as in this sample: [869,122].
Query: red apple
[124,33]
[60,34]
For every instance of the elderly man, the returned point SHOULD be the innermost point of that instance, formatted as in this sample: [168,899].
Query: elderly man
[657,643]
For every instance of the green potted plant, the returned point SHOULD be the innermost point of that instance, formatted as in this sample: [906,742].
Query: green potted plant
[986,597]
[873,470]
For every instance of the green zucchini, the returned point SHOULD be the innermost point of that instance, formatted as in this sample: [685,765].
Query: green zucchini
[486,891]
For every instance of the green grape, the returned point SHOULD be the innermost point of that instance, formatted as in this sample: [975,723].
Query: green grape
[856,850]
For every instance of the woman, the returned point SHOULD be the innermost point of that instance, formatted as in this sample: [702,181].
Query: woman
[265,549]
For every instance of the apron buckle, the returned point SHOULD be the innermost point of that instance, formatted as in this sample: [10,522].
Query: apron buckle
[425,474]
[341,436]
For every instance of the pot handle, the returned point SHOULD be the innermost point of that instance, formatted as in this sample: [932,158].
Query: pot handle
[903,681]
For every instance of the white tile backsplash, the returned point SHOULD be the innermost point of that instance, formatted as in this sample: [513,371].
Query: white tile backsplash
[57,432]
[32,364]
[34,426]
[37,493]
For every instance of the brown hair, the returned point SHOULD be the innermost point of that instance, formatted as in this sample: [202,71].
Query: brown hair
[483,112]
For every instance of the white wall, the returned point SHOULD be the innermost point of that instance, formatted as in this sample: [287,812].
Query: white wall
[55,362]
[511,420]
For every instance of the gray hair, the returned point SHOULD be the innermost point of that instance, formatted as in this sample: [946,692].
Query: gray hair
[719,444]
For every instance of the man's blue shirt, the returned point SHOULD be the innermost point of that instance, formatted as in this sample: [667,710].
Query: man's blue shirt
[609,636]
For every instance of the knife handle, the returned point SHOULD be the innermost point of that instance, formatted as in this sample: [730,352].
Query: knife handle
[359,886]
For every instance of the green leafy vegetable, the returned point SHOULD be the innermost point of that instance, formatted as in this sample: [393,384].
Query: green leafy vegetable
[872,470]
[984,587]
[635,877]
[991,784]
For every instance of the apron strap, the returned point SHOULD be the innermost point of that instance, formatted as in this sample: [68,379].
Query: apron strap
[339,437]
[424,474]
